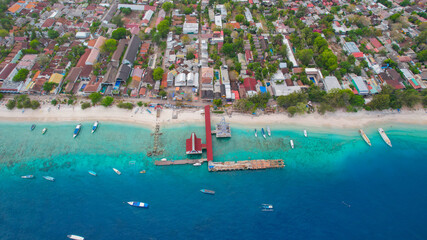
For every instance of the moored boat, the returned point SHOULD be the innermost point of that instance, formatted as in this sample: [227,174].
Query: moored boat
[117,171]
[267,207]
[292,143]
[268,131]
[197,164]
[77,130]
[95,126]
[148,111]
[384,136]
[75,237]
[263,133]
[163,159]
[49,178]
[207,191]
[256,134]
[44,131]
[138,204]
[33,127]
[142,171]
[305,133]
[28,176]
[362,133]
[92,173]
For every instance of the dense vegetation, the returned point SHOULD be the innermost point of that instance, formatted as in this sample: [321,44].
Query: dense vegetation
[22,101]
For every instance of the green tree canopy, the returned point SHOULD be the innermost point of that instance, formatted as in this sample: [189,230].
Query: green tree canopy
[163,28]
[3,33]
[239,18]
[95,97]
[109,46]
[34,44]
[107,101]
[119,33]
[305,56]
[52,34]
[158,74]
[21,75]
[167,6]
[126,11]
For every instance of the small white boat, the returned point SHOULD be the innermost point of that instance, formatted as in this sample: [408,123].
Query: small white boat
[77,130]
[117,171]
[75,237]
[28,177]
[138,204]
[267,207]
[197,164]
[384,136]
[263,133]
[163,159]
[292,143]
[95,126]
[256,134]
[305,133]
[44,131]
[92,173]
[362,133]
[268,131]
[49,178]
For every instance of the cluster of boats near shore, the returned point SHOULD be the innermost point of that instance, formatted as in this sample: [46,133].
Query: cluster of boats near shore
[382,134]
[76,130]
[291,142]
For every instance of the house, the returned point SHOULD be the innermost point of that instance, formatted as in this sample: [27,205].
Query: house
[191,26]
[144,49]
[14,9]
[136,78]
[119,51]
[331,82]
[180,80]
[359,84]
[86,72]
[132,50]
[314,75]
[147,17]
[123,73]
[8,72]
[391,79]
[410,78]
[93,85]
[57,79]
[218,21]
[72,78]
[160,16]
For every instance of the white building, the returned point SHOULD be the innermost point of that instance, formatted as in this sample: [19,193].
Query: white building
[218,21]
[190,28]
[180,80]
[331,82]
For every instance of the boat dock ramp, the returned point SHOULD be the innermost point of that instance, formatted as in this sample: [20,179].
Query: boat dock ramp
[179,162]
[245,165]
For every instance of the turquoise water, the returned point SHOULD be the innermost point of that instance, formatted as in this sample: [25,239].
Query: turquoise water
[333,186]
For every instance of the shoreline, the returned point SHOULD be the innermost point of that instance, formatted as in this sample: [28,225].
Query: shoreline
[339,119]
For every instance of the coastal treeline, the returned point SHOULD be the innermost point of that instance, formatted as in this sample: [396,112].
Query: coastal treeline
[22,101]
[315,99]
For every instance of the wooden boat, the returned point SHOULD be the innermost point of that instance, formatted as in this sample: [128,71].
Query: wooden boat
[206,191]
[92,173]
[362,133]
[256,134]
[305,133]
[77,130]
[384,136]
[44,131]
[49,178]
[292,143]
[95,126]
[138,204]
[75,237]
[263,133]
[268,131]
[33,127]
[142,171]
[117,171]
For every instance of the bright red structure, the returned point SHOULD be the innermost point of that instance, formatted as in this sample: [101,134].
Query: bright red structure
[193,145]
[209,152]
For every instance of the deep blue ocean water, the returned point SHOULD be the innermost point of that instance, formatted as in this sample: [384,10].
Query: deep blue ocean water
[334,186]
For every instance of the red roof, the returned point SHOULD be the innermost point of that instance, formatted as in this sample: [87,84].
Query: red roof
[48,23]
[375,43]
[83,58]
[193,145]
[249,84]
[209,152]
[358,54]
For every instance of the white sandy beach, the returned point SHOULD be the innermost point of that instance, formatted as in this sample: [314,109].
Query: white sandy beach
[49,113]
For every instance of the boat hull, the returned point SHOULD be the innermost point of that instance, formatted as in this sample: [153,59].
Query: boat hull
[206,191]
[365,137]
[75,237]
[92,173]
[117,171]
[49,178]
[28,177]
[384,136]
[138,204]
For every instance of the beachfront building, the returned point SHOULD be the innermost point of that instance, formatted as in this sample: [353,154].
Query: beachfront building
[359,84]
[331,82]
[132,50]
[57,79]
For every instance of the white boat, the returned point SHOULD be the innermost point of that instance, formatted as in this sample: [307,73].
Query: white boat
[44,131]
[77,130]
[28,176]
[75,237]
[95,126]
[163,159]
[138,204]
[384,136]
[305,133]
[117,171]
[92,173]
[49,178]
[267,207]
[362,133]
[263,133]
[268,131]
[256,134]
[197,164]
[292,143]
